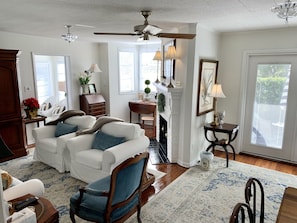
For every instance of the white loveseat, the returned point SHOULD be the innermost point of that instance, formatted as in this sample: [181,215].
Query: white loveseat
[50,149]
[88,164]
[19,188]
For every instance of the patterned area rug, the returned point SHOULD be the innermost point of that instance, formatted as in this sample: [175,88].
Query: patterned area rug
[58,187]
[209,196]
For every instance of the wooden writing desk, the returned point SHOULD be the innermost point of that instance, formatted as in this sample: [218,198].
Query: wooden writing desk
[288,209]
[144,107]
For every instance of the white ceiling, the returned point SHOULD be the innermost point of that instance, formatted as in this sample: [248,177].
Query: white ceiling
[48,17]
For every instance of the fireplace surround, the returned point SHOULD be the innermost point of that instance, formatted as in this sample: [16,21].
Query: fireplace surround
[171,115]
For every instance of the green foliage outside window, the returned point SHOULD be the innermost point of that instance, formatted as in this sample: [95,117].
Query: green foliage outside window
[269,90]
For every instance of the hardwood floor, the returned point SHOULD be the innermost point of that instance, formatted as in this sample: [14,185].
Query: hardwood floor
[174,170]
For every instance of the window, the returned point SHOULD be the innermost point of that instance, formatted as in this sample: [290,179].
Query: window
[133,72]
[126,71]
[148,70]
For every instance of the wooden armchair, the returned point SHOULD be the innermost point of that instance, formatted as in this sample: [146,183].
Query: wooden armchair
[114,198]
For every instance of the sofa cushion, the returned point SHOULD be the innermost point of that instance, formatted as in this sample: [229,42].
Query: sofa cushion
[122,129]
[64,128]
[104,141]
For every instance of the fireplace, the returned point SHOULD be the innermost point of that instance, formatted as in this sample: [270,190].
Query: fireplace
[168,127]
[163,134]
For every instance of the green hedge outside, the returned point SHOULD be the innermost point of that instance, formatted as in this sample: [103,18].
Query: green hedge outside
[269,90]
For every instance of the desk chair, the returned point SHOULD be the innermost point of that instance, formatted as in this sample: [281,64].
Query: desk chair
[113,198]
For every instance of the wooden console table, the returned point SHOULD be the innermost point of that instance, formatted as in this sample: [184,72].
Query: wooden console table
[45,211]
[230,129]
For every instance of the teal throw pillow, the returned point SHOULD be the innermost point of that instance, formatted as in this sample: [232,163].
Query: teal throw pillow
[63,129]
[104,141]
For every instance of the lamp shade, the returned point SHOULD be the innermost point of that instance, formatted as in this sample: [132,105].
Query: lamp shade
[94,69]
[158,55]
[217,91]
[171,53]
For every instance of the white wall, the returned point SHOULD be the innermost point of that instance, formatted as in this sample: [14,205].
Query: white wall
[82,55]
[206,47]
[232,47]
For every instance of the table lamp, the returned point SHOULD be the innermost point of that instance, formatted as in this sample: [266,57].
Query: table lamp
[216,92]
[170,55]
[158,57]
[93,69]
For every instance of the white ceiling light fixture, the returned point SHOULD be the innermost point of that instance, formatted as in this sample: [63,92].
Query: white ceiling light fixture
[285,10]
[69,37]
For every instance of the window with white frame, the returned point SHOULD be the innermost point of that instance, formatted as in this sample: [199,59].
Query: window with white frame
[127,71]
[133,72]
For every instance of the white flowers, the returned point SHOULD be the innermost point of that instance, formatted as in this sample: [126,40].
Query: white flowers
[85,78]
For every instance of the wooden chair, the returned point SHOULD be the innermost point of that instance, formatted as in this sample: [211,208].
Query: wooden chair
[251,197]
[114,198]
[240,212]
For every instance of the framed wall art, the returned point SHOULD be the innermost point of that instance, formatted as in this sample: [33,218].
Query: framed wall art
[92,89]
[167,66]
[207,78]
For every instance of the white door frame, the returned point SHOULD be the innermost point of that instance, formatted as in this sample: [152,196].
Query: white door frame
[244,80]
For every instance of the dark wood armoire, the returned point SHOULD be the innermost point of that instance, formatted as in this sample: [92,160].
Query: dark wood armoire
[11,124]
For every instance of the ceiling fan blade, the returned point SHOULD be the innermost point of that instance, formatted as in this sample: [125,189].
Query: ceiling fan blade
[118,34]
[176,35]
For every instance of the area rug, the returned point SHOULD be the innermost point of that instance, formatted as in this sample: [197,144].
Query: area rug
[58,187]
[209,196]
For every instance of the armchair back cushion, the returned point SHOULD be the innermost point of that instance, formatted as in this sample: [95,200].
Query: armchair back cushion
[121,129]
[64,128]
[104,141]
[82,122]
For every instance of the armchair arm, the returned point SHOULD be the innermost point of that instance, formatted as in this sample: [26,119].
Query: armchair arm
[115,155]
[62,140]
[44,132]
[94,192]
[79,143]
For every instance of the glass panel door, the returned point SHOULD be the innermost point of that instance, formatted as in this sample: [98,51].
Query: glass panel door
[270,107]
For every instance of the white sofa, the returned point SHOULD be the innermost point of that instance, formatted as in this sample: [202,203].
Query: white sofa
[89,164]
[52,150]
[19,188]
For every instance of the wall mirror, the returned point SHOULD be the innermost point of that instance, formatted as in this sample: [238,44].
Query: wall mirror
[51,74]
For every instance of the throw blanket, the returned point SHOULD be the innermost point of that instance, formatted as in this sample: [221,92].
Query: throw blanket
[98,124]
[65,115]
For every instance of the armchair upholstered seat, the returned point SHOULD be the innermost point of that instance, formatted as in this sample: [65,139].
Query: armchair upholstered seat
[113,198]
[89,164]
[50,148]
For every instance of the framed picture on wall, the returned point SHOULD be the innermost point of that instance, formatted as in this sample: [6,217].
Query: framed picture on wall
[207,78]
[167,66]
[92,89]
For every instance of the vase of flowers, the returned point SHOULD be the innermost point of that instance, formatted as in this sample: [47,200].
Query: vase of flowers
[31,107]
[84,80]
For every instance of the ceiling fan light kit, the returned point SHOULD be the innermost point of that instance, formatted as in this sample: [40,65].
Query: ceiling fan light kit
[285,10]
[69,37]
[146,30]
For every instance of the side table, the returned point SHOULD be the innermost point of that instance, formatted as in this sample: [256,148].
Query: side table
[38,119]
[230,129]
[45,211]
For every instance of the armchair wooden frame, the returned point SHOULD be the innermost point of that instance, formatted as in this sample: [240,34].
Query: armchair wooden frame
[110,207]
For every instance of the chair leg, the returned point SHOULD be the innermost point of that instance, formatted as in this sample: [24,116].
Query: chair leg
[72,216]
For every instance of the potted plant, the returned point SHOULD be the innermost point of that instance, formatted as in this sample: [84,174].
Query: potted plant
[84,80]
[31,107]
[147,90]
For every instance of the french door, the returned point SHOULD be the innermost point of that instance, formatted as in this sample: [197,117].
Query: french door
[270,106]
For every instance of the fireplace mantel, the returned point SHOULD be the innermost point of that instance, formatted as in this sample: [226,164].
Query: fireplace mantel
[172,116]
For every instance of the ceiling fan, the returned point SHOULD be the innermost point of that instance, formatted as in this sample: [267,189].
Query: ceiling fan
[146,30]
